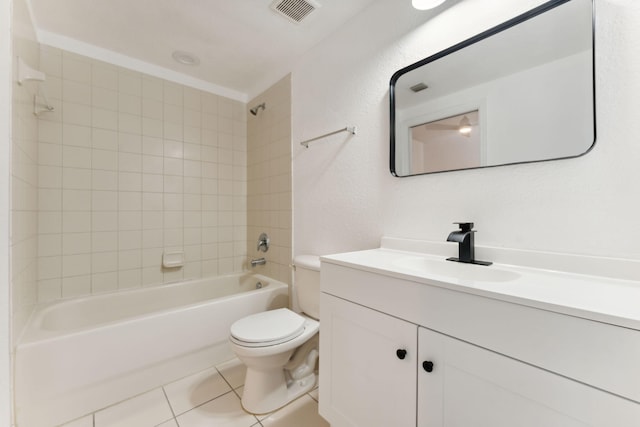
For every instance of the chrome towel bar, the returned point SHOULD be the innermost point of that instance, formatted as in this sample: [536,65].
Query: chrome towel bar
[351,129]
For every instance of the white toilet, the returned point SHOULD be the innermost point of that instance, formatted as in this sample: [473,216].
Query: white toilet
[280,347]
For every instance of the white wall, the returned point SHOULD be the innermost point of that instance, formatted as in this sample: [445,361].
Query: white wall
[345,198]
[5,154]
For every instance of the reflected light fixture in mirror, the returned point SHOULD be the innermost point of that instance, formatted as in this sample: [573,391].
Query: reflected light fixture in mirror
[426,4]
[465,126]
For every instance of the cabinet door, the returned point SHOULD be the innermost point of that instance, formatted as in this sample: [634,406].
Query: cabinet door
[469,386]
[367,366]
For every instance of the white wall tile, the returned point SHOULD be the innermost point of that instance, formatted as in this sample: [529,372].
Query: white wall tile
[73,68]
[129,240]
[104,241]
[129,82]
[76,286]
[130,259]
[104,221]
[104,98]
[75,265]
[49,245]
[104,119]
[130,220]
[129,181]
[129,162]
[76,92]
[129,142]
[152,238]
[152,127]
[130,104]
[50,199]
[173,166]
[173,184]
[152,88]
[77,114]
[152,109]
[121,178]
[50,177]
[76,200]
[173,149]
[104,160]
[152,220]
[130,123]
[76,222]
[152,146]
[172,93]
[49,154]
[49,222]
[104,76]
[76,179]
[76,243]
[104,262]
[104,180]
[129,279]
[152,183]
[104,282]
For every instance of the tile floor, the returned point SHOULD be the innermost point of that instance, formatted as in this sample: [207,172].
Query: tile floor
[210,398]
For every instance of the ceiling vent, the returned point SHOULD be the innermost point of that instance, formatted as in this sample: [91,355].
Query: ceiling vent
[419,87]
[294,10]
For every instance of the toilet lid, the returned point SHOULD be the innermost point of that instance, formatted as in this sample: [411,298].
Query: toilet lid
[269,326]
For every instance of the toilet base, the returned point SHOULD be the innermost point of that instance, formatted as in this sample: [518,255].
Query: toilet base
[266,392]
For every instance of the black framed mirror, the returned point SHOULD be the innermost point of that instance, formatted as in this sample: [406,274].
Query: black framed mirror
[520,92]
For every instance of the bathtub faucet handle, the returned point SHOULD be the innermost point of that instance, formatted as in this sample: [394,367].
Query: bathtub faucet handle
[263,243]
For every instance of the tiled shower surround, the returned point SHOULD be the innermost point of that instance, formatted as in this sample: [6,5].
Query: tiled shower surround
[131,166]
[269,179]
[24,184]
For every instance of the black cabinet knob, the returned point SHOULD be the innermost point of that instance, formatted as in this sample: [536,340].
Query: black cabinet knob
[427,366]
[401,353]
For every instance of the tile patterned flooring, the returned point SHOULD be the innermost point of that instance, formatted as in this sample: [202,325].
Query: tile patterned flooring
[210,398]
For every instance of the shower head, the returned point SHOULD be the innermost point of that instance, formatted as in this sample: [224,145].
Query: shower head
[257,108]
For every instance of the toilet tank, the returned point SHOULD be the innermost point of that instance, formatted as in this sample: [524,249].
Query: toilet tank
[307,284]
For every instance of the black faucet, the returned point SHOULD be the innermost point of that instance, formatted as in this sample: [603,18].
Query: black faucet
[464,238]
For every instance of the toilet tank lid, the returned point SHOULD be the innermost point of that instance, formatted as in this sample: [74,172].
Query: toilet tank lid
[310,262]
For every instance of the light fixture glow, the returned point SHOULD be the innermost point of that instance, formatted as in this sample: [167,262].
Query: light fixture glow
[426,4]
[465,126]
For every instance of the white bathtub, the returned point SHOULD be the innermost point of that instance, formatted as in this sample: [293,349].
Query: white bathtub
[77,356]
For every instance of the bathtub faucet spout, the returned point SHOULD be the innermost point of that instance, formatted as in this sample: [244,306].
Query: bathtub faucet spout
[259,261]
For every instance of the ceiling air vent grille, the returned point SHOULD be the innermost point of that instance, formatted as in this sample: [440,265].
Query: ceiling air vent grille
[294,10]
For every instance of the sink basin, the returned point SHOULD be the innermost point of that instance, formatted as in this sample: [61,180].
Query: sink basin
[456,270]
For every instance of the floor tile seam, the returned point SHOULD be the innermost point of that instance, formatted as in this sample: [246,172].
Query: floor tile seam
[173,413]
[121,402]
[203,403]
[228,383]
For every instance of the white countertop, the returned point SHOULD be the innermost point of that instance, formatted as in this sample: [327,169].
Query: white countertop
[604,299]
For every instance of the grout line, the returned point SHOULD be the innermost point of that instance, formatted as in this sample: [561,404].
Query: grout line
[169,402]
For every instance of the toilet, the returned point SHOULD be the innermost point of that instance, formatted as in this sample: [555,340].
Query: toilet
[280,347]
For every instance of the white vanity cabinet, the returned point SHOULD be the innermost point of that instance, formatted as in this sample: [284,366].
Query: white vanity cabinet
[369,364]
[378,331]
[471,386]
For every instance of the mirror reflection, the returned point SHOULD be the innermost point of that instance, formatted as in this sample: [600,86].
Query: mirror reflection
[520,92]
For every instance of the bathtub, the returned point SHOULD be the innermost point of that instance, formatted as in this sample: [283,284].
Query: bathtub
[80,355]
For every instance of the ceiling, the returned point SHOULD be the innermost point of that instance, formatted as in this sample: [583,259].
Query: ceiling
[242,45]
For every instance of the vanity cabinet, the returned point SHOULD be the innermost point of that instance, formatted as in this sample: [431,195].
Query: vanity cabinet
[369,363]
[384,364]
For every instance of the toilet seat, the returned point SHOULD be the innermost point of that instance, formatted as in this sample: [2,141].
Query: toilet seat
[267,328]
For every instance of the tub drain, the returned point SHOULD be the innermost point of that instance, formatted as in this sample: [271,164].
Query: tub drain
[258,285]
